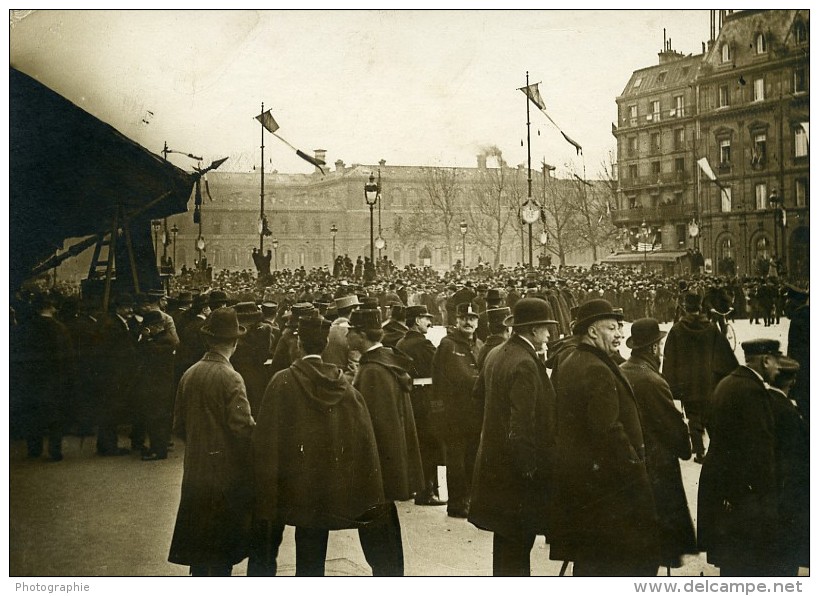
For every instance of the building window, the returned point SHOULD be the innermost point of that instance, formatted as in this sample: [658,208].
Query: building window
[800,32]
[638,81]
[759,149]
[726,197]
[655,168]
[763,248]
[216,227]
[679,139]
[317,226]
[632,201]
[725,152]
[317,257]
[800,84]
[632,171]
[632,114]
[661,77]
[761,195]
[724,97]
[801,192]
[759,89]
[655,142]
[285,225]
[679,165]
[679,106]
[727,249]
[725,52]
[678,197]
[760,44]
[800,142]
[632,146]
[655,109]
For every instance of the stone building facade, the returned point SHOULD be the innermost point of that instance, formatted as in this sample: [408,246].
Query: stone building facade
[744,106]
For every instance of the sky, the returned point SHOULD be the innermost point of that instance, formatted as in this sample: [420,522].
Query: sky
[412,87]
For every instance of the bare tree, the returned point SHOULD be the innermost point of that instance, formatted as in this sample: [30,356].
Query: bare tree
[559,214]
[496,196]
[593,222]
[436,212]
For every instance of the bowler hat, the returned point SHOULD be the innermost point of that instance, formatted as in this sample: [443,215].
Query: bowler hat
[223,324]
[493,296]
[398,311]
[199,302]
[644,332]
[530,311]
[347,302]
[184,298]
[761,347]
[692,302]
[465,309]
[217,297]
[313,326]
[594,310]
[365,319]
[417,312]
[248,312]
[796,293]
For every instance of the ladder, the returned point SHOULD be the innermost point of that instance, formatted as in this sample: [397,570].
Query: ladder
[103,261]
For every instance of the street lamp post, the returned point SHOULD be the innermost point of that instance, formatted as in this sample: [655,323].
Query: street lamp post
[371,192]
[544,240]
[275,245]
[644,233]
[774,200]
[200,248]
[463,244]
[174,231]
[333,232]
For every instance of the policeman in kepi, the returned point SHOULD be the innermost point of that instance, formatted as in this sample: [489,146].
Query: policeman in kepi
[427,410]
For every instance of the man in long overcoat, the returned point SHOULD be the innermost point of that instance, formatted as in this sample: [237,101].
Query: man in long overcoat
[315,458]
[738,520]
[514,463]
[252,351]
[212,415]
[696,357]
[454,371]
[603,514]
[666,438]
[427,411]
[384,383]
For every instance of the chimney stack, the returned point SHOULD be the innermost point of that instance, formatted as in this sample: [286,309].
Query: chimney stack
[482,161]
[339,165]
[382,163]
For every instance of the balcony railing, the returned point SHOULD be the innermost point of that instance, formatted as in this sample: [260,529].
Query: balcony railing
[653,179]
[661,116]
[661,213]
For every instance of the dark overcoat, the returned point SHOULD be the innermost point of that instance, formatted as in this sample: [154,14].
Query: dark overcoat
[116,369]
[252,351]
[384,383]
[454,371]
[212,415]
[603,508]
[696,357]
[314,452]
[667,442]
[393,332]
[510,487]
[793,469]
[428,410]
[737,506]
[799,350]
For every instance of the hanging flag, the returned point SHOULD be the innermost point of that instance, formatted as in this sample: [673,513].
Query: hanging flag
[533,93]
[784,217]
[706,168]
[313,160]
[806,127]
[267,121]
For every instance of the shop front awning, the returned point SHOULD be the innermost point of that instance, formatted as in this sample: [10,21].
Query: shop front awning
[653,256]
[68,171]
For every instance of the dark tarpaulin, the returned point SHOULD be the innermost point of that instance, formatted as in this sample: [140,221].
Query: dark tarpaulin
[69,170]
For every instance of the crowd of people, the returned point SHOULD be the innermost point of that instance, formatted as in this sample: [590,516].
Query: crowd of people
[315,399]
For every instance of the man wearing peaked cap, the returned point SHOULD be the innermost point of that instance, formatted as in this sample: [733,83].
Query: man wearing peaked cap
[602,508]
[666,439]
[738,518]
[454,370]
[212,527]
[428,411]
[513,466]
[385,384]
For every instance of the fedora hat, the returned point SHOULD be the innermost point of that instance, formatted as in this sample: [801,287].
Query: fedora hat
[594,310]
[347,301]
[365,319]
[223,323]
[248,312]
[530,311]
[184,298]
[313,326]
[644,332]
[217,297]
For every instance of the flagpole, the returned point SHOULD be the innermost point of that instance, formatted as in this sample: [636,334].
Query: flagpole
[261,192]
[529,164]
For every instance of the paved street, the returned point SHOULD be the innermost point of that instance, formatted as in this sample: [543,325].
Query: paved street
[94,516]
